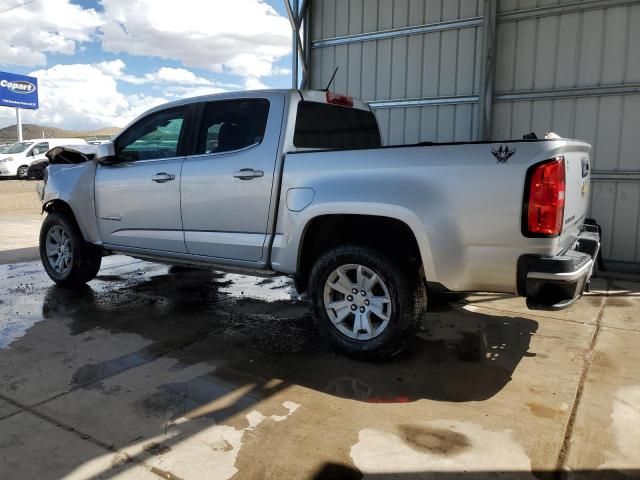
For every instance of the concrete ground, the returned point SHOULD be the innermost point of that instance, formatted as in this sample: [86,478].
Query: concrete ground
[152,373]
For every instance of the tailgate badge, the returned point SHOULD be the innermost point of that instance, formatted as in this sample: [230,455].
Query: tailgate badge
[503,153]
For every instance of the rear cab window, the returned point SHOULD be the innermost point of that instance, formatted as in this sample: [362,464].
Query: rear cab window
[321,125]
[230,125]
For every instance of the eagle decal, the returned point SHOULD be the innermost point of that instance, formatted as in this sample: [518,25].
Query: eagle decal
[503,153]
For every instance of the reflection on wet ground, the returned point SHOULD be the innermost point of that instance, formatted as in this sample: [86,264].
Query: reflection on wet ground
[255,330]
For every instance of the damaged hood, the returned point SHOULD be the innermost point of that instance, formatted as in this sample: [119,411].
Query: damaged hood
[71,154]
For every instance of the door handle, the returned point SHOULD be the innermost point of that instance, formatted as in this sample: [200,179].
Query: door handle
[163,177]
[248,174]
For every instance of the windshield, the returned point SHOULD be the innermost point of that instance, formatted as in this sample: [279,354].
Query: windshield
[18,147]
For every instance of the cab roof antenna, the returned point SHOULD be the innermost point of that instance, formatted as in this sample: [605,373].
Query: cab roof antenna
[333,77]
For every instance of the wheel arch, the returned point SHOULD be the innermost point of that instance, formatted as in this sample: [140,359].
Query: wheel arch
[382,232]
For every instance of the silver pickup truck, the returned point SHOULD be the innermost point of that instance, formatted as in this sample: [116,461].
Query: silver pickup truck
[297,183]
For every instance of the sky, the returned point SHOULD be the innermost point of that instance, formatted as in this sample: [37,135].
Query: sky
[100,63]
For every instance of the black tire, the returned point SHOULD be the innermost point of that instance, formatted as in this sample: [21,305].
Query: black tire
[85,258]
[406,290]
[22,171]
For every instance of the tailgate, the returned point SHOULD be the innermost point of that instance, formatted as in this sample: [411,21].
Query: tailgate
[578,173]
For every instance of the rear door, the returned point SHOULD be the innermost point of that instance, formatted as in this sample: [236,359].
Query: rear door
[138,197]
[227,184]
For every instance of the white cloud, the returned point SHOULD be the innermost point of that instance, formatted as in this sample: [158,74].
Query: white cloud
[31,32]
[83,96]
[243,37]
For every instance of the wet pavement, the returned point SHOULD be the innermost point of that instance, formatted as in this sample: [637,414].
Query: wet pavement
[156,372]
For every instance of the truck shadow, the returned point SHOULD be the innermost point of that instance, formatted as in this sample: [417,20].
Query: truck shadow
[257,348]
[459,355]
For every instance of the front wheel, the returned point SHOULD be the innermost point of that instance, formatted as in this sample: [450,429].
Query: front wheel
[22,171]
[366,303]
[66,257]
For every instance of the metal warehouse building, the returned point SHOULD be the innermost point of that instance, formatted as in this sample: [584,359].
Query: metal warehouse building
[461,70]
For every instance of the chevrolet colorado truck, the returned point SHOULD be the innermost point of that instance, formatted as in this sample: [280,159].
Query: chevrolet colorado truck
[297,183]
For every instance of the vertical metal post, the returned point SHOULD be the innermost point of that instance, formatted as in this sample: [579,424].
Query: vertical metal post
[19,124]
[294,47]
[487,70]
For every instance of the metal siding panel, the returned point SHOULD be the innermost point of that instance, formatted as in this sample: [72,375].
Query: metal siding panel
[396,126]
[615,45]
[563,113]
[317,18]
[521,119]
[590,64]
[633,59]
[354,70]
[445,124]
[608,137]
[448,62]
[567,45]
[383,121]
[414,67]
[433,12]
[370,16]
[383,76]
[505,57]
[469,8]
[431,60]
[625,221]
[463,123]
[400,13]
[385,15]
[341,61]
[586,125]
[369,70]
[416,12]
[328,18]
[399,68]
[450,10]
[629,156]
[412,125]
[501,128]
[342,18]
[602,209]
[356,16]
[542,116]
[525,55]
[546,52]
[428,124]
[466,61]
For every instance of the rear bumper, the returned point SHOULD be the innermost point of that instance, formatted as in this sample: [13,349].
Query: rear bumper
[554,283]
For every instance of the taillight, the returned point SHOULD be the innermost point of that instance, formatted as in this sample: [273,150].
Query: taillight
[544,207]
[339,99]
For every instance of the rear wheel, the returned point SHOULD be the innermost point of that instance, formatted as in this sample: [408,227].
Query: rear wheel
[366,303]
[22,171]
[67,258]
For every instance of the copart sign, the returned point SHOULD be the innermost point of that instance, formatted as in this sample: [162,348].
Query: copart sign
[18,91]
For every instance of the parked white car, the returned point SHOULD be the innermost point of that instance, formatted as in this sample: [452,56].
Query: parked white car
[15,160]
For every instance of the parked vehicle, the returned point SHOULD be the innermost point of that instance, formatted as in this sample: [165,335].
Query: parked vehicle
[297,183]
[15,161]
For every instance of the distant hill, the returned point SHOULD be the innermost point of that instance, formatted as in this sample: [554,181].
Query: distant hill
[29,130]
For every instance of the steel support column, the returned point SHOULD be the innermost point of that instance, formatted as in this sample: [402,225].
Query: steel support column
[487,70]
[300,54]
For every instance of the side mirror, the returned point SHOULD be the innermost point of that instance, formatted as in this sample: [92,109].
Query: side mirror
[105,153]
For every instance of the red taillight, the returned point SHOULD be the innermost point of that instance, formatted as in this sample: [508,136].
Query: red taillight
[545,207]
[339,99]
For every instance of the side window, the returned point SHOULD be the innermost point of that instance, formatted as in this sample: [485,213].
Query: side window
[39,148]
[230,125]
[155,136]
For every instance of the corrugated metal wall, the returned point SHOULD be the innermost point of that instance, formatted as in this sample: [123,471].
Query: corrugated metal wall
[572,67]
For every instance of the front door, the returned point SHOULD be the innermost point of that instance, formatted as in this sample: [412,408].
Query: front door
[138,196]
[226,185]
